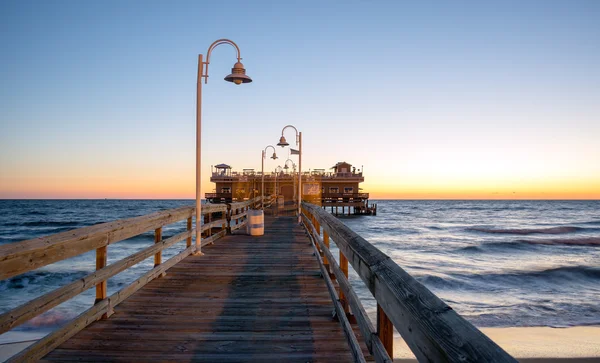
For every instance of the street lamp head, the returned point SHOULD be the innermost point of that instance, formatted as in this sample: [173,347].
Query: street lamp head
[238,74]
[274,156]
[283,142]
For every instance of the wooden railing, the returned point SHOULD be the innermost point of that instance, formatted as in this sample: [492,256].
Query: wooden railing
[21,257]
[345,196]
[432,330]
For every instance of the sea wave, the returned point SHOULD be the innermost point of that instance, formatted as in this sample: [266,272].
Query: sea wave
[571,273]
[40,278]
[526,243]
[526,231]
[51,224]
[584,241]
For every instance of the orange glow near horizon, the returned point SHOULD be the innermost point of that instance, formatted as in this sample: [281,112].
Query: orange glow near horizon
[154,188]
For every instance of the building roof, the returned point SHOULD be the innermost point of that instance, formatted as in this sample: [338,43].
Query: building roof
[222,166]
[340,163]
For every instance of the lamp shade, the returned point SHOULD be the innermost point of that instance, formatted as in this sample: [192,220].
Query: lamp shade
[238,74]
[282,142]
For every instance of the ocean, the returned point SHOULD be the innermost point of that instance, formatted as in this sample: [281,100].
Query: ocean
[497,263]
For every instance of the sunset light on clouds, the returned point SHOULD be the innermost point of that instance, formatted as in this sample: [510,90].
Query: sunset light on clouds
[436,100]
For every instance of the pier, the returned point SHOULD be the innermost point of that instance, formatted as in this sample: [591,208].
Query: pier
[280,297]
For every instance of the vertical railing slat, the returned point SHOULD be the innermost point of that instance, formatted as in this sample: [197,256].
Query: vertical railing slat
[188,241]
[344,268]
[385,331]
[158,255]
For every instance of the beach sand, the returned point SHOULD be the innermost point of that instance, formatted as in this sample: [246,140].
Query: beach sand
[532,345]
[535,344]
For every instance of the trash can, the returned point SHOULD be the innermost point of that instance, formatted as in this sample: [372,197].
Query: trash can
[256,222]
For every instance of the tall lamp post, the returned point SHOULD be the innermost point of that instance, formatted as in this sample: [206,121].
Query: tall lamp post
[262,172]
[282,142]
[237,76]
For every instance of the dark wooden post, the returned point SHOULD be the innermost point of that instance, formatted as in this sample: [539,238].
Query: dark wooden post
[325,260]
[207,219]
[101,259]
[188,241]
[228,216]
[101,288]
[344,268]
[158,255]
[385,331]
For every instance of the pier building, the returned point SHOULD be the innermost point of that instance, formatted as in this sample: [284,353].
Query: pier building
[339,189]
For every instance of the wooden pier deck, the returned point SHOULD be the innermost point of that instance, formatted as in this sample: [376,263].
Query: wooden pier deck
[247,299]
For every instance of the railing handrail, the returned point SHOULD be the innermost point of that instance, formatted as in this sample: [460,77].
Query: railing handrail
[21,257]
[431,328]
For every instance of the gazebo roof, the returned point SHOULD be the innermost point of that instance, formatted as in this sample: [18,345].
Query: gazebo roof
[222,166]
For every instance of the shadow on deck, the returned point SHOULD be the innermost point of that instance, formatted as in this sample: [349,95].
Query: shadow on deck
[247,299]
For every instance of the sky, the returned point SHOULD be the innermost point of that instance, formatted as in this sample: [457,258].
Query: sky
[432,99]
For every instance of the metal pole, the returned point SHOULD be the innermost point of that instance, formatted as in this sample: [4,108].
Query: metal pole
[262,188]
[299,177]
[198,251]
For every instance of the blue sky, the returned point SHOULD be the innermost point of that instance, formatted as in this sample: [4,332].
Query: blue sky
[98,98]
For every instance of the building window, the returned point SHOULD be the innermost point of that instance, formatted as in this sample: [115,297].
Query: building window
[348,190]
[334,190]
[226,190]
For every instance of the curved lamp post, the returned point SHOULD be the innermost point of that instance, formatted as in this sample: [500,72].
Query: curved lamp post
[237,76]
[262,172]
[282,142]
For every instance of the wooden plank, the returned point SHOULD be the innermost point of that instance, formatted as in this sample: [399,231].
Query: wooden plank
[20,257]
[35,307]
[242,308]
[432,330]
[352,341]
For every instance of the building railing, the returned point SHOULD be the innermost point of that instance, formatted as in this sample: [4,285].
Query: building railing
[21,257]
[217,195]
[361,196]
[431,329]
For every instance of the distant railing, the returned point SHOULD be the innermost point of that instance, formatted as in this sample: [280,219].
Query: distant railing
[345,196]
[432,330]
[21,257]
[218,195]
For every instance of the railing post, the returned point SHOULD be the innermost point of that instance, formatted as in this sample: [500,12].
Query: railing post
[101,259]
[228,216]
[207,220]
[188,241]
[101,288]
[158,255]
[385,331]
[344,268]
[325,260]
